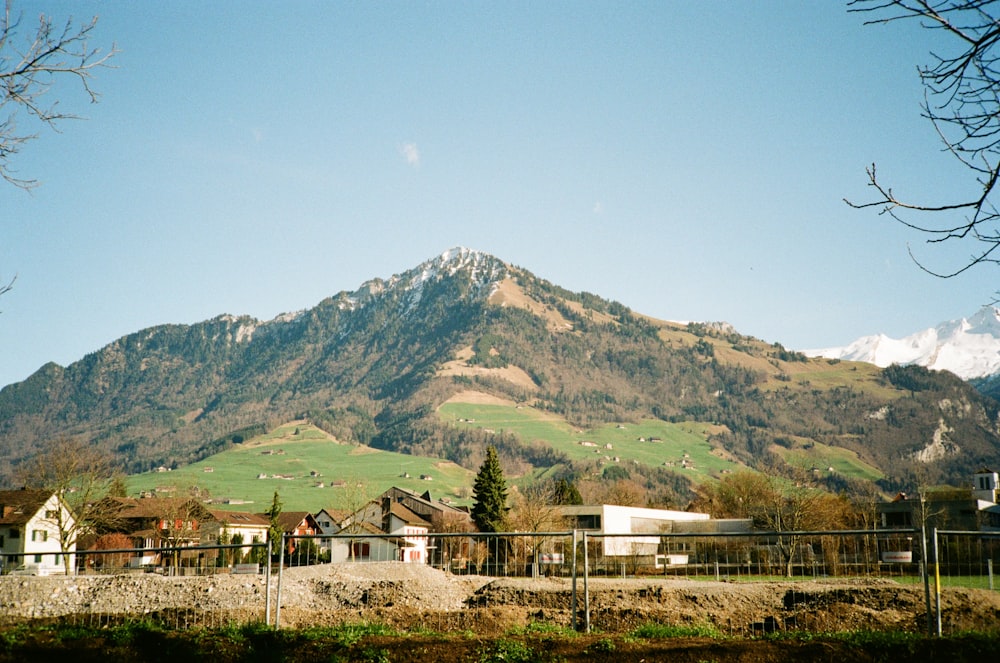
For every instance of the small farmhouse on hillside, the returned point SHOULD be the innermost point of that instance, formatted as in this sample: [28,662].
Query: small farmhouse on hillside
[29,532]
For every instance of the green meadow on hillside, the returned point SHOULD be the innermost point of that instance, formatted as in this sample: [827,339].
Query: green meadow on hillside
[822,457]
[347,473]
[680,447]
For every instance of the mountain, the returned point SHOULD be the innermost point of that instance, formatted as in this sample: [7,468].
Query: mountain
[374,366]
[969,347]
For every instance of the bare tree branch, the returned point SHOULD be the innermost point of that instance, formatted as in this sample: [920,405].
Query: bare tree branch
[962,101]
[29,68]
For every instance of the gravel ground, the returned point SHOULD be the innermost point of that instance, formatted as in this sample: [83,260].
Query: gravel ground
[416,596]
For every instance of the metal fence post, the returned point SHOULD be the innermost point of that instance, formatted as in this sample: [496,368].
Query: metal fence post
[586,586]
[989,571]
[572,601]
[267,584]
[926,572]
[937,582]
[277,598]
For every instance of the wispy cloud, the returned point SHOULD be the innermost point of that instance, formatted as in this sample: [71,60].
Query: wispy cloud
[410,153]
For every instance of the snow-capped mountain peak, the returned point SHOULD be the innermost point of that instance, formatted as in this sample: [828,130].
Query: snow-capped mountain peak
[968,347]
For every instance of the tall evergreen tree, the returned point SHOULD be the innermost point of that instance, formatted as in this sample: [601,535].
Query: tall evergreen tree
[566,492]
[489,492]
[275,530]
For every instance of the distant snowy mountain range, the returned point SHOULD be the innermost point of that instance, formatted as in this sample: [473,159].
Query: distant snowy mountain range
[969,348]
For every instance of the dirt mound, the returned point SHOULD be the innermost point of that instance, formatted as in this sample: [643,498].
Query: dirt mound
[376,585]
[410,596]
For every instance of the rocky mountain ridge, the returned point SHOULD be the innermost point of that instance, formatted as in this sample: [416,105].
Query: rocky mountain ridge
[371,366]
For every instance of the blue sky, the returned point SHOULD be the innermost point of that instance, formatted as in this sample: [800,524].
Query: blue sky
[686,159]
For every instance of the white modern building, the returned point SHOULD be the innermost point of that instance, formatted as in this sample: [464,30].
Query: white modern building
[640,521]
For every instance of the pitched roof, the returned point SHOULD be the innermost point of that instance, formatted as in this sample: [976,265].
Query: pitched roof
[361,527]
[406,515]
[18,506]
[338,515]
[158,507]
[237,518]
[289,520]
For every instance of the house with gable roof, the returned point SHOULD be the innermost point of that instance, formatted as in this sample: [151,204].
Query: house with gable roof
[226,525]
[153,522]
[295,523]
[387,530]
[29,532]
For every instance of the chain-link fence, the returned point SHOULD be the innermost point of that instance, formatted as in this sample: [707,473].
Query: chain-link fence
[949,559]
[165,560]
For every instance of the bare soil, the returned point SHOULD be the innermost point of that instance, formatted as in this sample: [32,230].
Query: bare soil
[409,595]
[469,614]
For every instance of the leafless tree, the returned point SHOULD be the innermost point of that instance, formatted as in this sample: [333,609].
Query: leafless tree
[32,59]
[81,475]
[962,101]
[532,511]
[775,506]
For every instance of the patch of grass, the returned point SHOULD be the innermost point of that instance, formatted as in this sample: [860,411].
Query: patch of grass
[130,631]
[14,637]
[683,447]
[810,454]
[374,655]
[234,472]
[507,651]
[653,630]
[347,635]
[544,628]
[604,645]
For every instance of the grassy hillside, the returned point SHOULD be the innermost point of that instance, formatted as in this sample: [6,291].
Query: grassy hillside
[349,473]
[682,447]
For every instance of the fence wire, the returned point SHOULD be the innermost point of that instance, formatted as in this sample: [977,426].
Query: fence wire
[950,559]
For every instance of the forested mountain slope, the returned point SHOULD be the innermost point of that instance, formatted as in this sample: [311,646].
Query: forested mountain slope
[372,366]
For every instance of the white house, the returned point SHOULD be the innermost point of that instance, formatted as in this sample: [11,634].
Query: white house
[401,534]
[328,521]
[224,525]
[29,532]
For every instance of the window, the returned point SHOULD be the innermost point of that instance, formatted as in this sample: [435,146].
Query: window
[15,533]
[39,535]
[588,521]
[38,559]
[51,514]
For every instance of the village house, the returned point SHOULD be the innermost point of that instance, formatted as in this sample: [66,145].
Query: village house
[973,508]
[295,523]
[328,522]
[226,526]
[158,522]
[395,534]
[29,532]
[399,525]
